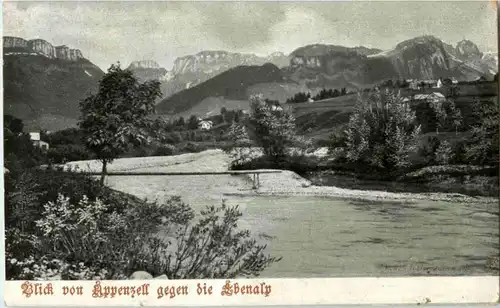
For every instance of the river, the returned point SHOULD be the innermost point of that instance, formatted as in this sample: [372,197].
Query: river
[325,237]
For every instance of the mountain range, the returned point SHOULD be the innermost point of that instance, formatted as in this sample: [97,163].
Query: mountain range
[44,83]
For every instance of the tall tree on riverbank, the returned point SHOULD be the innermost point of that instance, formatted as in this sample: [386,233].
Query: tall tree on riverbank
[117,117]
[483,145]
[272,128]
[381,132]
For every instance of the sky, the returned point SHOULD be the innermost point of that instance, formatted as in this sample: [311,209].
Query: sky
[107,32]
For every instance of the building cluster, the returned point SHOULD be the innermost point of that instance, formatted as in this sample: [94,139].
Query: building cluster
[434,97]
[417,84]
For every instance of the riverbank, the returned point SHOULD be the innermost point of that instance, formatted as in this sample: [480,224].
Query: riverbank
[214,187]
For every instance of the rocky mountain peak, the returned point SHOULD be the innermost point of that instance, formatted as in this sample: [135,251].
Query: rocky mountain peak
[39,47]
[143,64]
[466,49]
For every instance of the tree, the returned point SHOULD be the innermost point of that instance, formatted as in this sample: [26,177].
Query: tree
[381,132]
[180,122]
[440,115]
[223,113]
[117,117]
[13,124]
[456,116]
[483,145]
[271,129]
[444,153]
[192,122]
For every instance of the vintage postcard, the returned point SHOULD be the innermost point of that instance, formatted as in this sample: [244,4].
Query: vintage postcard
[250,153]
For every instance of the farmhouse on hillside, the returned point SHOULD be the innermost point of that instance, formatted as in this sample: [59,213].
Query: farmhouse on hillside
[276,108]
[205,125]
[35,139]
[434,97]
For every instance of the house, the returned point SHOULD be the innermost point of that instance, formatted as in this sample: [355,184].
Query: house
[276,108]
[205,125]
[35,139]
[413,84]
[439,84]
[310,100]
[434,97]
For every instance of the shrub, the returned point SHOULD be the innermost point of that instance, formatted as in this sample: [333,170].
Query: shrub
[65,153]
[459,155]
[165,150]
[192,147]
[443,153]
[85,239]
[428,150]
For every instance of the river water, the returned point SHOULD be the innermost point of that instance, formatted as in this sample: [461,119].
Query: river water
[326,237]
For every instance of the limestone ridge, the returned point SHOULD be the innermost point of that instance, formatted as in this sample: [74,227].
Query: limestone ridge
[18,46]
[191,70]
[147,70]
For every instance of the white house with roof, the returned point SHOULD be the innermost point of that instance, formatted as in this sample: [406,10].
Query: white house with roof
[205,125]
[37,142]
[434,97]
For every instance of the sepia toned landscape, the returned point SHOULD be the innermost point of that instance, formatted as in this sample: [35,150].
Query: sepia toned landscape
[223,140]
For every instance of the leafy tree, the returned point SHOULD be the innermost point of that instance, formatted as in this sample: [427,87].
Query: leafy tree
[180,122]
[271,129]
[13,124]
[382,131]
[118,115]
[440,114]
[483,147]
[192,122]
[456,116]
[223,113]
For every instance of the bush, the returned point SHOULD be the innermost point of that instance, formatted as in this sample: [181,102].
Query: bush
[87,240]
[428,150]
[28,190]
[443,153]
[65,153]
[19,151]
[165,150]
[459,155]
[192,147]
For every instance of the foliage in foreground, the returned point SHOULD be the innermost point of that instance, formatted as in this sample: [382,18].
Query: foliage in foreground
[85,238]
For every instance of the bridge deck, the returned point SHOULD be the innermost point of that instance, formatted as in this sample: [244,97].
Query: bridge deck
[255,173]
